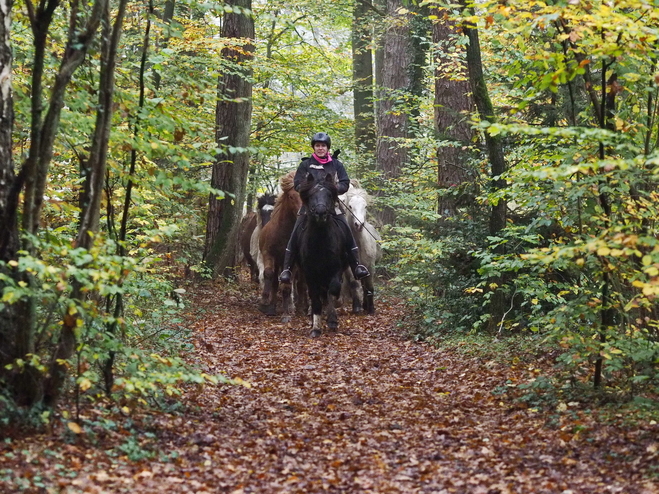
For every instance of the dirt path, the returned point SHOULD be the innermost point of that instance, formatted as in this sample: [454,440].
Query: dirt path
[361,410]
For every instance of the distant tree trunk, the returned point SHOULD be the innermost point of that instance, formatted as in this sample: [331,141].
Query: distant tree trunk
[378,61]
[608,312]
[232,121]
[453,105]
[95,178]
[362,76]
[10,315]
[97,161]
[393,120]
[8,232]
[166,18]
[495,154]
[115,303]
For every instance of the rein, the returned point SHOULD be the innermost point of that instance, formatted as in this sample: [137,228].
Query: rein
[362,223]
[349,209]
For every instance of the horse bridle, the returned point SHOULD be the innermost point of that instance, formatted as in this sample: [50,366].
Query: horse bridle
[362,223]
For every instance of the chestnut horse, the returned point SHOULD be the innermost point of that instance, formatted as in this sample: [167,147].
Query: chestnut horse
[272,246]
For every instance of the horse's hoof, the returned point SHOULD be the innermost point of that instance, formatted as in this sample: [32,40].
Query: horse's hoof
[315,333]
[286,319]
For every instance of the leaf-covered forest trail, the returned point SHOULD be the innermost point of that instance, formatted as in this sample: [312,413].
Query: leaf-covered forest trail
[360,410]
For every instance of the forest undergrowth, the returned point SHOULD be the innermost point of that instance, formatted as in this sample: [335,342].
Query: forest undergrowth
[363,409]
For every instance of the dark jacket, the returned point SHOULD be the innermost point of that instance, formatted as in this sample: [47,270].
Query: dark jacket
[319,171]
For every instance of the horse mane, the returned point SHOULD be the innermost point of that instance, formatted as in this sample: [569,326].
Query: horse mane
[356,190]
[265,199]
[285,199]
[308,185]
[286,181]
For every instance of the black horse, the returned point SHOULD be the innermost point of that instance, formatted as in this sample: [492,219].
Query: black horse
[322,249]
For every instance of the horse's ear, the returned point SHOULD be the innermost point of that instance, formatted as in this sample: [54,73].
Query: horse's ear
[309,177]
[329,178]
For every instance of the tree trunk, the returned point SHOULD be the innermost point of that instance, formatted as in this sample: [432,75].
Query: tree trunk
[9,232]
[362,77]
[43,133]
[18,320]
[10,315]
[97,162]
[232,127]
[393,120]
[166,18]
[96,165]
[496,157]
[453,105]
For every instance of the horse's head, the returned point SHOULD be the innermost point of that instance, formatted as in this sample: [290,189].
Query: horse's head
[319,196]
[266,204]
[357,206]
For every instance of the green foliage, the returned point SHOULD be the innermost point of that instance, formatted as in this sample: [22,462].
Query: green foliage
[577,260]
[126,314]
[145,342]
[579,254]
[430,257]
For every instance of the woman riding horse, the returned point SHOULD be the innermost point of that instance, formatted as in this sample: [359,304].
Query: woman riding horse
[319,165]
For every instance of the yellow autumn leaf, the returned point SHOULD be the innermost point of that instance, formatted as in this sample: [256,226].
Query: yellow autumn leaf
[649,290]
[85,384]
[74,427]
[238,380]
[603,251]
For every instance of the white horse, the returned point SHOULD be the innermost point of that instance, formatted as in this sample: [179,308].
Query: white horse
[355,202]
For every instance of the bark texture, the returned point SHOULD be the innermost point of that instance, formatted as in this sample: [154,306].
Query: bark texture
[496,157]
[362,74]
[91,207]
[453,106]
[233,121]
[393,122]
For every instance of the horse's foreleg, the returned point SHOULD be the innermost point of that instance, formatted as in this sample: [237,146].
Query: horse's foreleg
[332,318]
[300,293]
[316,311]
[269,294]
[355,289]
[368,288]
[287,302]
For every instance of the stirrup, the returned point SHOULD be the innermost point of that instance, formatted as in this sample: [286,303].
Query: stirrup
[285,276]
[361,272]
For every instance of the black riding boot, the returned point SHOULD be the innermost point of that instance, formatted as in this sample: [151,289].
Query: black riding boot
[359,271]
[290,256]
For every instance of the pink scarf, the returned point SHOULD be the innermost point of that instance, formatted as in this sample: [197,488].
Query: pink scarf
[323,161]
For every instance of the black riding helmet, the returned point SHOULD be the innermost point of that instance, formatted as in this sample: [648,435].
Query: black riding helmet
[321,137]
